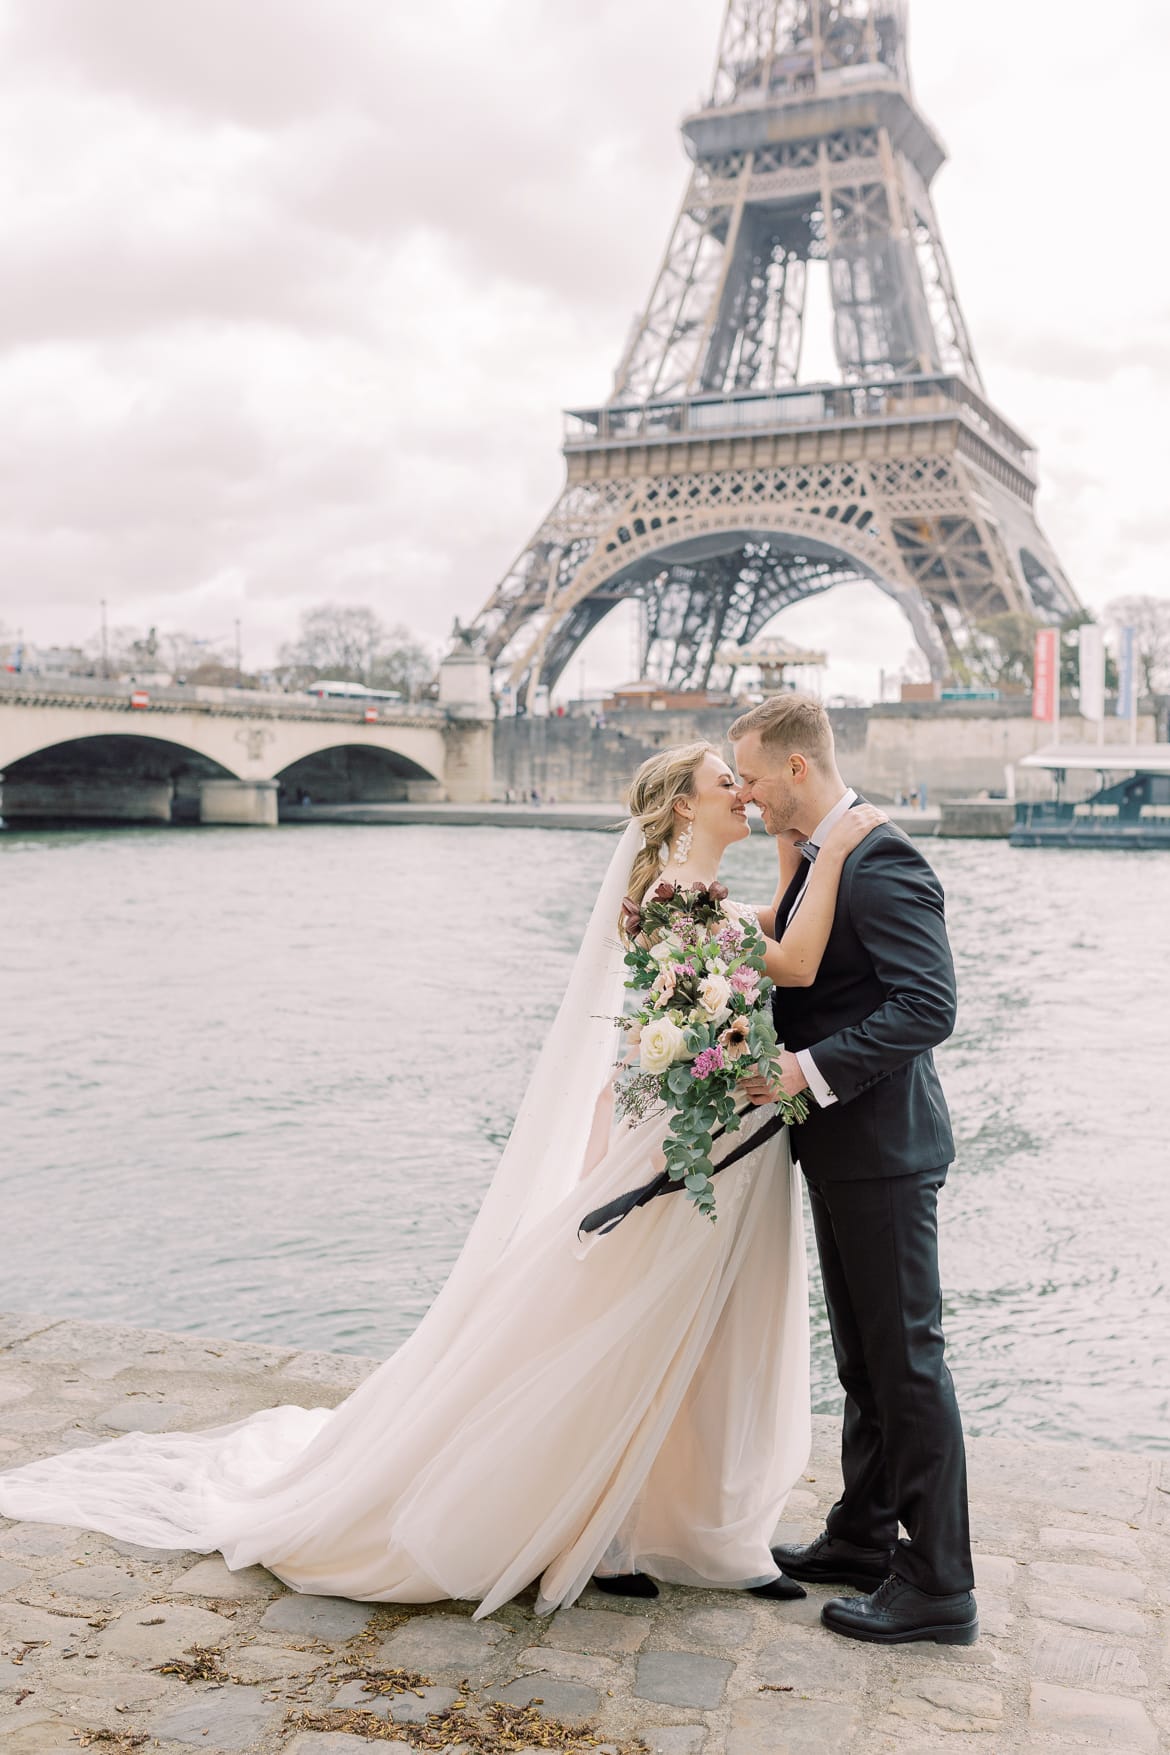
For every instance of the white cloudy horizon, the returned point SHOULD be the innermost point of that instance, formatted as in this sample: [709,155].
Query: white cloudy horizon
[296,294]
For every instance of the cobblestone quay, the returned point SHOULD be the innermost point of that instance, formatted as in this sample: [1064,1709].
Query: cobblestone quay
[1073,1556]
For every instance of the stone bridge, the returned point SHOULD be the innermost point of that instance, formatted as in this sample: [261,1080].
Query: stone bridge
[84,749]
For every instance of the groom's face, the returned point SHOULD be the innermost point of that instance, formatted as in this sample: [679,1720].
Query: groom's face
[766,780]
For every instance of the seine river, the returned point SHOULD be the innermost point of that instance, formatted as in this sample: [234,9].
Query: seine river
[256,1082]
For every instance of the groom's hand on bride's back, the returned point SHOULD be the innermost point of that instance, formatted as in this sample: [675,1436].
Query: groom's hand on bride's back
[792,1081]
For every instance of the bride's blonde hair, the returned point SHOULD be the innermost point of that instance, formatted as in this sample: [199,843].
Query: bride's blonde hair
[657,786]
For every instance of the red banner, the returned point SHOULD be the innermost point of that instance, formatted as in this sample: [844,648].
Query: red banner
[1044,675]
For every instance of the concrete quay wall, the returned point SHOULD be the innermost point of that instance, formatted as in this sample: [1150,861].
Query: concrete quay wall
[954,749]
[1072,1563]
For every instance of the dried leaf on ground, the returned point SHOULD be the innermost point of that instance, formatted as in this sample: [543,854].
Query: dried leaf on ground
[114,1742]
[384,1681]
[203,1666]
[484,1727]
[26,1645]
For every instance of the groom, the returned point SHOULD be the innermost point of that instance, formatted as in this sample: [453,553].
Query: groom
[875,1151]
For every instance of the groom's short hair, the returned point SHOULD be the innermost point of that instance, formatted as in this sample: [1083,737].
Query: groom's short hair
[789,724]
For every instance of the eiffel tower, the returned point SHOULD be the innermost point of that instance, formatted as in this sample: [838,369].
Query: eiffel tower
[717,488]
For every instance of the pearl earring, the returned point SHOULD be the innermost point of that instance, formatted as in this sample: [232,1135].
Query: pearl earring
[683,845]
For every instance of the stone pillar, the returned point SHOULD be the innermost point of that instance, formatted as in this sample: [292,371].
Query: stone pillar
[465,684]
[465,691]
[468,766]
[248,802]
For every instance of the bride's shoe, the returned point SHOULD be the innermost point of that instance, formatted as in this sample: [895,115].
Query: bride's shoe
[627,1584]
[782,1589]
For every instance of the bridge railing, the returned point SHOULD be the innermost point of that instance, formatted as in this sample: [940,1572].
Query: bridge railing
[38,688]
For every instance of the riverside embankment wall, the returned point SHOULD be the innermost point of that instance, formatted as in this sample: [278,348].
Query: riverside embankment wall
[952,749]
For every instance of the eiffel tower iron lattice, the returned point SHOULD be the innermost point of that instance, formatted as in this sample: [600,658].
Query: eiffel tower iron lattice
[716,487]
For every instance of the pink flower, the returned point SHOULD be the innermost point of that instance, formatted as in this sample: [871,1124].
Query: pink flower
[711,1060]
[664,982]
[746,981]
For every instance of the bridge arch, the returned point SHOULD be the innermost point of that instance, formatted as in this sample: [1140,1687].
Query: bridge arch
[32,754]
[348,772]
[118,776]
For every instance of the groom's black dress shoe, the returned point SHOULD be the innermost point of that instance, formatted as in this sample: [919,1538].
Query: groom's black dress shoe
[828,1560]
[783,1590]
[898,1612]
[626,1584]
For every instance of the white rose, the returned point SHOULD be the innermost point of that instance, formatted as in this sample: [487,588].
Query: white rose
[662,1044]
[715,993]
[666,947]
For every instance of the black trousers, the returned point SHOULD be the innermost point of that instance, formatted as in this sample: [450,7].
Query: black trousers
[902,1444]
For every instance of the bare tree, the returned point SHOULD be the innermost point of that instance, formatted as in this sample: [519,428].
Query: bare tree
[126,650]
[405,664]
[189,653]
[999,651]
[1150,619]
[350,643]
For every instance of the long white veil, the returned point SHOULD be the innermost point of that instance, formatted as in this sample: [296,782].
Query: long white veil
[542,1158]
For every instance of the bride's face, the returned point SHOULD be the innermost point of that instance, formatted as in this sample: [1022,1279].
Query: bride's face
[715,807]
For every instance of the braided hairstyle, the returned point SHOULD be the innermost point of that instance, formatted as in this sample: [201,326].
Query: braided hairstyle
[659,783]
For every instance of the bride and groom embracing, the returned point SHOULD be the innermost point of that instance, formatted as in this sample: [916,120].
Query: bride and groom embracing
[635,1406]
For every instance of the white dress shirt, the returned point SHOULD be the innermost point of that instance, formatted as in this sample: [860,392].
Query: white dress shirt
[805,1061]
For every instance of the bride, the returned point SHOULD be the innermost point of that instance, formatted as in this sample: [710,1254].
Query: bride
[635,1403]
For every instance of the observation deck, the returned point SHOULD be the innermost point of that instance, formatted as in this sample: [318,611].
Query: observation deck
[912,416]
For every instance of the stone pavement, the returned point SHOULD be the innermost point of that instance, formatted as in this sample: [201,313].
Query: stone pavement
[1073,1559]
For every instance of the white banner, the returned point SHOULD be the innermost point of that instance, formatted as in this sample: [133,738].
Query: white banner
[1126,672]
[1092,672]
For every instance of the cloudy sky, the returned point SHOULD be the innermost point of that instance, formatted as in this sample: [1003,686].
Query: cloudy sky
[295,291]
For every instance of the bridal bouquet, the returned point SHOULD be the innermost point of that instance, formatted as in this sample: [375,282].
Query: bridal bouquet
[703,1020]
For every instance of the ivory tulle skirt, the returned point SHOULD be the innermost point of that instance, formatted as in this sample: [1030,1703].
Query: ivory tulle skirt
[639,1401]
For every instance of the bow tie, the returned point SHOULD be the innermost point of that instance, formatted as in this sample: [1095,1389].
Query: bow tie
[809,850]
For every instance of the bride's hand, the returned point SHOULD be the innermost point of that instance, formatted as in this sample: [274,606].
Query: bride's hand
[852,829]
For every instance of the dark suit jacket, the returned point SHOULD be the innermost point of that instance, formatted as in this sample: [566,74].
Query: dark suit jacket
[883,998]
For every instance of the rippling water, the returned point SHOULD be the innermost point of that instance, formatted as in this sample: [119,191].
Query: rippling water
[256,1083]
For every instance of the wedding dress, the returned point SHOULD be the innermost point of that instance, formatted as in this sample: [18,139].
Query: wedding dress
[631,1402]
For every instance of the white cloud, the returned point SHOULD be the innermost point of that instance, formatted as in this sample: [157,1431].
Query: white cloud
[296,291]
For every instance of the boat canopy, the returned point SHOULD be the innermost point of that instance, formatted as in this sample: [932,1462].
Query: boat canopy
[1107,758]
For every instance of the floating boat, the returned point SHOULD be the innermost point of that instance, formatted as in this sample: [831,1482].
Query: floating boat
[1130,808]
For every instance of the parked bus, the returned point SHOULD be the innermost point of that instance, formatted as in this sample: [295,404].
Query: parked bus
[358,693]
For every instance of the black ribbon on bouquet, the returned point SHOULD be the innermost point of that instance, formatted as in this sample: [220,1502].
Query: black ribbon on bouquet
[606,1219]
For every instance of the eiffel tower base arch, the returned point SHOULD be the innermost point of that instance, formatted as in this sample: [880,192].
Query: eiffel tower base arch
[714,554]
